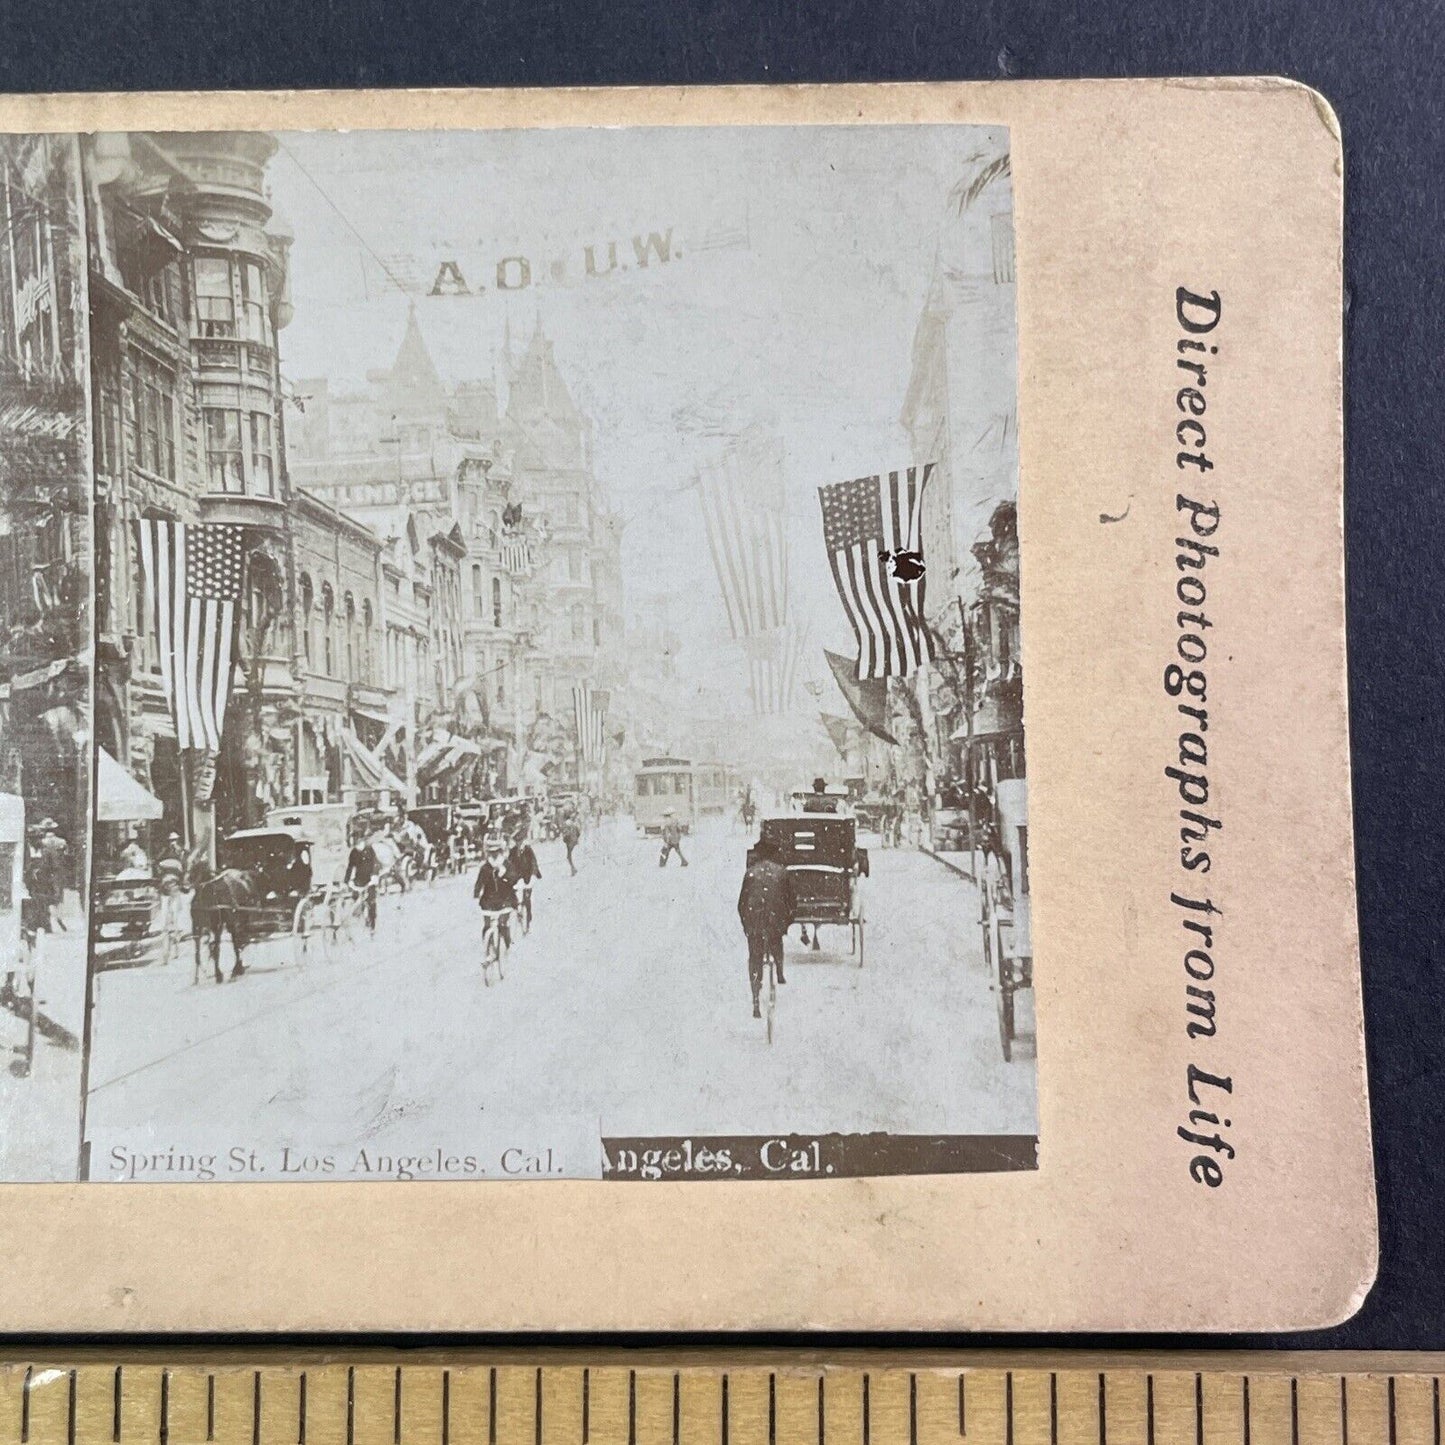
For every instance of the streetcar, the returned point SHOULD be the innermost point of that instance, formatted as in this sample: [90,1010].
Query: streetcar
[662,785]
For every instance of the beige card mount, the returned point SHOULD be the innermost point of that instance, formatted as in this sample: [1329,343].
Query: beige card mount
[669,709]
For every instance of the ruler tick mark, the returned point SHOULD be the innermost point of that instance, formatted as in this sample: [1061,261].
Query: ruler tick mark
[1008,1407]
[632,1407]
[446,1407]
[70,1424]
[1436,1411]
[25,1407]
[350,1404]
[1199,1410]
[1390,1399]
[724,1408]
[867,1409]
[1293,1410]
[537,1432]
[165,1430]
[1149,1410]
[586,1404]
[115,1408]
[210,1406]
[912,1408]
[301,1411]
[1053,1407]
[492,1406]
[676,1407]
[256,1408]
[396,1409]
[962,1408]
[772,1408]
[1246,1410]
[1344,1413]
[1103,1408]
[822,1408]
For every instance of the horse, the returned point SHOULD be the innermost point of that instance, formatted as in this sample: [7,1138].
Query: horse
[220,903]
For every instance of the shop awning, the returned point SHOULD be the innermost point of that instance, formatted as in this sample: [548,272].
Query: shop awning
[369,768]
[119,798]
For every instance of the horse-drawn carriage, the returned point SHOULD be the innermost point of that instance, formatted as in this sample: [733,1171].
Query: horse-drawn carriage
[826,866]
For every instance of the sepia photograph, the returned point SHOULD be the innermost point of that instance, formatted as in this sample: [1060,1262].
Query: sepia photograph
[512,656]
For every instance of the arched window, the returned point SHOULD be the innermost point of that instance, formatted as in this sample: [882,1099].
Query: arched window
[368,657]
[496,601]
[328,629]
[479,600]
[308,605]
[349,612]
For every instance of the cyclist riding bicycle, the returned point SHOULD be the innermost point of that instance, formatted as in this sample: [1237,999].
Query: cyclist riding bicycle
[494,892]
[522,871]
[362,871]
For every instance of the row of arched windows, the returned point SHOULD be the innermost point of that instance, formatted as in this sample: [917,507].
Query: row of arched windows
[337,640]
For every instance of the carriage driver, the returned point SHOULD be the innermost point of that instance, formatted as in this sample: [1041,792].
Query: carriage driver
[766,906]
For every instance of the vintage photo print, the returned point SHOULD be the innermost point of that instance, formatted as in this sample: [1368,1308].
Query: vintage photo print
[45,654]
[558,693]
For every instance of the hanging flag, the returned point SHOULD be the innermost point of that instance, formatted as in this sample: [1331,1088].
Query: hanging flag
[590,710]
[839,729]
[194,576]
[874,535]
[868,698]
[516,555]
[743,511]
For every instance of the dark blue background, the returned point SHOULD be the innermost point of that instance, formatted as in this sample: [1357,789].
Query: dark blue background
[1383,67]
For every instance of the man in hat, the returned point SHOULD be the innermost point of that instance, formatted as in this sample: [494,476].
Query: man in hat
[493,890]
[671,838]
[766,906]
[522,871]
[363,872]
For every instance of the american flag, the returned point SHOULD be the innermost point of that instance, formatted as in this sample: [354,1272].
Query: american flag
[194,576]
[517,555]
[590,708]
[742,508]
[866,522]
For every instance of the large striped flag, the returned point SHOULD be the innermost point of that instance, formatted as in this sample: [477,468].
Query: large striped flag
[194,575]
[743,511]
[873,531]
[590,709]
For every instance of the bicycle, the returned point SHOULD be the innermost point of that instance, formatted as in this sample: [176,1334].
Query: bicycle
[494,942]
[524,905]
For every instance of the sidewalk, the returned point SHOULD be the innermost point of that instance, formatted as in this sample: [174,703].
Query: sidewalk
[41,1106]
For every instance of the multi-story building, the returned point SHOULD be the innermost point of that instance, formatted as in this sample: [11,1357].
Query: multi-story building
[961,413]
[525,553]
[187,293]
[45,536]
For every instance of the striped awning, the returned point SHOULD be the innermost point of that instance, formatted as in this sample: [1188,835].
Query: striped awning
[369,769]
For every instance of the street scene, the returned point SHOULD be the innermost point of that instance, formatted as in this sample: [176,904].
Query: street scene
[557,678]
[622,1012]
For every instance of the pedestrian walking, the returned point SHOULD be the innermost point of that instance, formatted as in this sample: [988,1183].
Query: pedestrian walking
[671,839]
[766,906]
[171,882]
[571,836]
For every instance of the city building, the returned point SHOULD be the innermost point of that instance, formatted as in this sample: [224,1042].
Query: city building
[188,290]
[962,414]
[525,552]
[45,534]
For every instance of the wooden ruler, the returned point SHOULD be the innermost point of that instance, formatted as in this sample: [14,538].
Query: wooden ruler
[559,1397]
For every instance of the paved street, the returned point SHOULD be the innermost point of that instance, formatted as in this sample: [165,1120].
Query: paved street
[625,1012]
